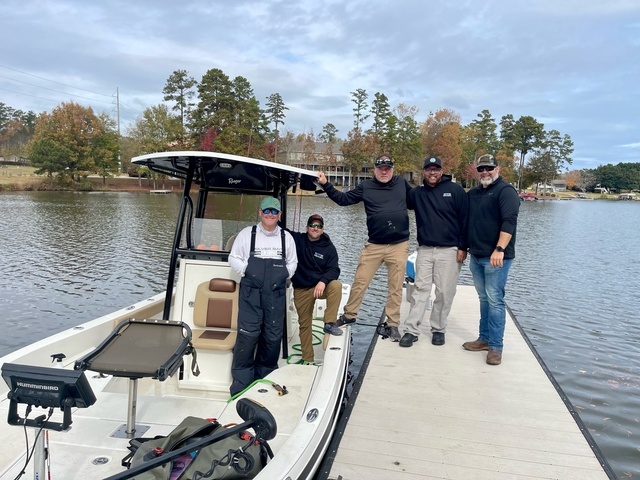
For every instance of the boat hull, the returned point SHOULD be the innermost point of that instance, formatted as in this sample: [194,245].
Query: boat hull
[96,442]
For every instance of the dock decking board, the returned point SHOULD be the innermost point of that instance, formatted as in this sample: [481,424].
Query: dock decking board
[441,412]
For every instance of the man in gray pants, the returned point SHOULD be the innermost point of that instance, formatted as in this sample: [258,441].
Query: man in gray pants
[441,207]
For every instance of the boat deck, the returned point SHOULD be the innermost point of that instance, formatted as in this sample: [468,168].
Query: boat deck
[95,444]
[442,412]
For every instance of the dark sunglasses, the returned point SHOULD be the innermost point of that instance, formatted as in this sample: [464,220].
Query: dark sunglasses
[315,225]
[485,169]
[272,211]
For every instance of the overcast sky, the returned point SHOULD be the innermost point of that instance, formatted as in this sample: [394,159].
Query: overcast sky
[574,65]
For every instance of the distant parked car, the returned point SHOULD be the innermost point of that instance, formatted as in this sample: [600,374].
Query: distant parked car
[529,197]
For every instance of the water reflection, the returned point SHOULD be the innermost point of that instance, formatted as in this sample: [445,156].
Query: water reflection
[574,289]
[574,284]
[73,257]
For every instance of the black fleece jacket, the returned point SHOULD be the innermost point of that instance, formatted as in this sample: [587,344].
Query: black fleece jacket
[385,205]
[317,261]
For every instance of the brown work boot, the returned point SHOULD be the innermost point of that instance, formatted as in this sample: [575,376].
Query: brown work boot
[494,357]
[476,346]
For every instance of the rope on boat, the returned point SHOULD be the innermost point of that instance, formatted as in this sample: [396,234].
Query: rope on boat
[255,382]
[317,334]
[48,454]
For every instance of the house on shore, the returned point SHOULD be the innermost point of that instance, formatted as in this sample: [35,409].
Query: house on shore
[14,160]
[328,157]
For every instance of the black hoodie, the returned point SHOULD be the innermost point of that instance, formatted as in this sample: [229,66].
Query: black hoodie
[441,213]
[317,261]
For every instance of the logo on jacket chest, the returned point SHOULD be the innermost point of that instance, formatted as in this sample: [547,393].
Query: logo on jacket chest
[318,255]
[447,194]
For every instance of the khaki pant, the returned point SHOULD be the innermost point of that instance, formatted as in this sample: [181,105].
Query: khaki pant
[395,259]
[434,266]
[304,301]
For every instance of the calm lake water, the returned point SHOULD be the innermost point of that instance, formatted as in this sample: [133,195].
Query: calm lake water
[574,287]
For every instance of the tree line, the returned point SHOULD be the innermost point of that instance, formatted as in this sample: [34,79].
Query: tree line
[219,113]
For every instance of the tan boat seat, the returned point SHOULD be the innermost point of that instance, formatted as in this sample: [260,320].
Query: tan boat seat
[215,314]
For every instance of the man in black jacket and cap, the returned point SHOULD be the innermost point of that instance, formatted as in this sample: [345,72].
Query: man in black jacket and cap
[316,277]
[385,204]
[441,207]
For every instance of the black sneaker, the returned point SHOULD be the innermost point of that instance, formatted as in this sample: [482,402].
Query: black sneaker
[342,321]
[332,328]
[394,334]
[437,338]
[408,339]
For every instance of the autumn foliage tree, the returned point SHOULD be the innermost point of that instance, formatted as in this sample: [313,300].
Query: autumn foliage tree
[287,142]
[441,138]
[308,141]
[405,145]
[73,142]
[156,130]
[16,129]
[572,179]
[356,151]
[508,164]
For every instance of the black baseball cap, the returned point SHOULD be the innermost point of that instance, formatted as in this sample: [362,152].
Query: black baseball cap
[315,218]
[384,160]
[432,161]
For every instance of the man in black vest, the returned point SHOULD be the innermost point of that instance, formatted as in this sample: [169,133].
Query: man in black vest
[493,217]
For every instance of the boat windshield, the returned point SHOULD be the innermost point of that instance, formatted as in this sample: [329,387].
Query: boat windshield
[224,216]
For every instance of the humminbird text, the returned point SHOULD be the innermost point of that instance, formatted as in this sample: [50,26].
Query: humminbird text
[39,387]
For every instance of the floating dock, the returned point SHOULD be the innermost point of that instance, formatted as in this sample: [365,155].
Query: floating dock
[428,411]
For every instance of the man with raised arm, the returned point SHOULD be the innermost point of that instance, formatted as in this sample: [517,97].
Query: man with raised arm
[385,203]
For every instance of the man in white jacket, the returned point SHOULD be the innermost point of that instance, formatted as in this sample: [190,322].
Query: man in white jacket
[265,257]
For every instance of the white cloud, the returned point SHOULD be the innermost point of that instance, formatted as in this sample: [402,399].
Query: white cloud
[571,64]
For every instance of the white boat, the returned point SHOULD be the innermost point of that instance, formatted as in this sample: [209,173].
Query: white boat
[79,414]
[581,196]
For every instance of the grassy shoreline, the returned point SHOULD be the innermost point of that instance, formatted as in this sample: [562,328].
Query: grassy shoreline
[20,178]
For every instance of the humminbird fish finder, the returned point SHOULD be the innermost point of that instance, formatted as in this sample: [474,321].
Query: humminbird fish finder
[45,387]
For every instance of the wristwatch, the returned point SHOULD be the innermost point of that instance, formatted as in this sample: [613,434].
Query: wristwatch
[499,249]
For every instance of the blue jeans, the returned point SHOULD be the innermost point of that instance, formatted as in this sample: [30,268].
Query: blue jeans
[490,282]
